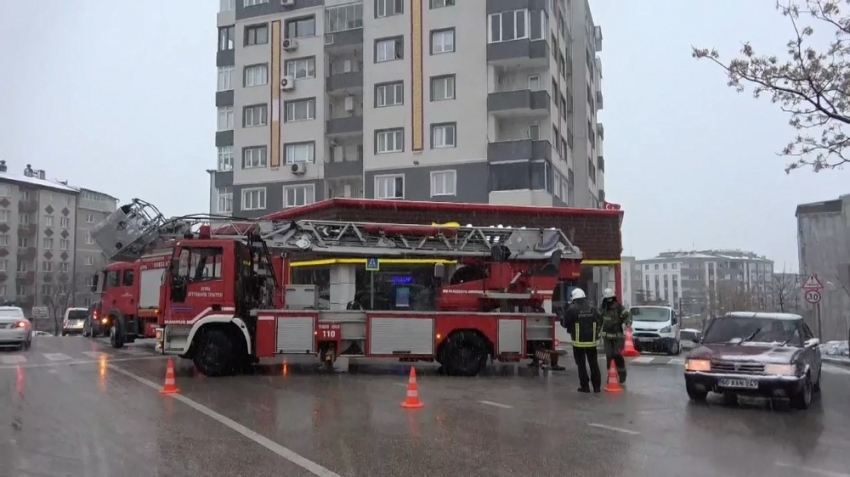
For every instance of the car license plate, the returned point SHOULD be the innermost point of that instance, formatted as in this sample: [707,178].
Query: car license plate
[738,383]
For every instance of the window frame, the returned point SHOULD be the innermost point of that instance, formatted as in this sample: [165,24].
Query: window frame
[295,187]
[433,4]
[226,38]
[225,75]
[289,22]
[262,67]
[294,61]
[263,161]
[526,25]
[252,109]
[330,28]
[398,48]
[228,118]
[224,154]
[394,177]
[379,132]
[222,193]
[253,31]
[394,85]
[437,31]
[435,79]
[296,102]
[398,8]
[453,181]
[436,126]
[310,144]
[261,194]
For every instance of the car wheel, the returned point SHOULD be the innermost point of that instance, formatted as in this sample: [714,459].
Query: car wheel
[695,394]
[675,349]
[803,399]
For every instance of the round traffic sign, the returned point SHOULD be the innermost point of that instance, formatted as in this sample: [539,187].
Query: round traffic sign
[812,296]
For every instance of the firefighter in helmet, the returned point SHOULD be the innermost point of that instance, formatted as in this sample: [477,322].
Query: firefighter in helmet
[615,319]
[583,322]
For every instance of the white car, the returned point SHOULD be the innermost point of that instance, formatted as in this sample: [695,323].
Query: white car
[15,328]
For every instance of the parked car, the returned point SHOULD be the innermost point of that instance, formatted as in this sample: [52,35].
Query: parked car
[690,337]
[771,355]
[74,321]
[15,328]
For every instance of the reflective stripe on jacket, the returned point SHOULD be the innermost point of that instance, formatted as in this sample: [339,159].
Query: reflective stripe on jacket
[582,341]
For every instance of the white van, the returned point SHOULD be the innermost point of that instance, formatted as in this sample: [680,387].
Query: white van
[655,329]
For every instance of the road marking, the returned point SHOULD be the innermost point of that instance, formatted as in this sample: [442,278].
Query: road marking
[644,359]
[615,429]
[57,357]
[269,444]
[677,361]
[496,404]
[13,359]
[811,470]
[66,363]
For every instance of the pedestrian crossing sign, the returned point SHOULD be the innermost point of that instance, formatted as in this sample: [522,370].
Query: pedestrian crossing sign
[372,264]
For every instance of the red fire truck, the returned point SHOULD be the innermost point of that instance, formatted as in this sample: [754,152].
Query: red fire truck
[224,304]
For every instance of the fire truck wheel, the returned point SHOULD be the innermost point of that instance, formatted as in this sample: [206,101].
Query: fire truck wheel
[215,354]
[464,353]
[116,332]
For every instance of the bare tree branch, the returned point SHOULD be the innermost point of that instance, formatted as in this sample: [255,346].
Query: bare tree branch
[810,85]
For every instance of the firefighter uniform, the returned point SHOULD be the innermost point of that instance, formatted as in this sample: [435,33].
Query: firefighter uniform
[615,319]
[583,322]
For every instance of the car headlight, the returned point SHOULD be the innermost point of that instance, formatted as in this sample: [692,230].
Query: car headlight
[697,365]
[666,329]
[781,369]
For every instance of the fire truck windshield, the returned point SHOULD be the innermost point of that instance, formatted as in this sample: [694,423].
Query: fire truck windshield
[203,263]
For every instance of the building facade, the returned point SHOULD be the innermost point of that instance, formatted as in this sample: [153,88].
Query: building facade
[490,101]
[92,208]
[40,246]
[707,282]
[630,278]
[823,244]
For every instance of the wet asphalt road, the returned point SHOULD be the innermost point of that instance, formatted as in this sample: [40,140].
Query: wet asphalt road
[69,407]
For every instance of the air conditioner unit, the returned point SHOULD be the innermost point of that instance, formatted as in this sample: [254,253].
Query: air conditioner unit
[299,168]
[287,3]
[290,44]
[287,83]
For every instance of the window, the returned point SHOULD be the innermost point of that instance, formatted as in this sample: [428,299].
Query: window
[508,26]
[389,49]
[112,279]
[301,110]
[225,200]
[304,152]
[5,191]
[442,88]
[251,3]
[225,78]
[22,266]
[534,132]
[127,278]
[443,41]
[256,75]
[89,260]
[4,265]
[344,17]
[442,3]
[64,244]
[225,118]
[254,157]
[89,218]
[225,38]
[4,240]
[443,183]
[225,158]
[294,196]
[46,290]
[254,199]
[389,94]
[389,187]
[443,135]
[300,27]
[534,82]
[388,8]
[226,5]
[89,239]
[64,222]
[64,266]
[46,266]
[255,116]
[24,219]
[5,215]
[301,68]
[201,264]
[256,35]
[23,242]
[389,140]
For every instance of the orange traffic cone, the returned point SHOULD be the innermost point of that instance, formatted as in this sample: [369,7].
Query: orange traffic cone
[629,350]
[613,384]
[412,400]
[169,387]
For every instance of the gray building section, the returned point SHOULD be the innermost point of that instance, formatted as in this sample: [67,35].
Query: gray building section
[509,103]
[823,242]
[92,208]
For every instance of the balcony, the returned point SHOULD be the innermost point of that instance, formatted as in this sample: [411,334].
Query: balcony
[28,206]
[27,230]
[345,82]
[602,197]
[600,130]
[344,168]
[520,53]
[519,149]
[600,163]
[26,253]
[597,38]
[26,278]
[519,103]
[345,40]
[348,126]
[599,101]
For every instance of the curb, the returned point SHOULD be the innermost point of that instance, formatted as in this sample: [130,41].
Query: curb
[836,361]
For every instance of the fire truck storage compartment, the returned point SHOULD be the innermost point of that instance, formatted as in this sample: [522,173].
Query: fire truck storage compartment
[393,336]
[149,284]
[540,327]
[510,336]
[295,334]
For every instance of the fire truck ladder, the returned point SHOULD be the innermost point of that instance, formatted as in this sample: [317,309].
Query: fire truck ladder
[135,228]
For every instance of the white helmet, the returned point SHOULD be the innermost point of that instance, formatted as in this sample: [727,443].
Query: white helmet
[577,294]
[608,293]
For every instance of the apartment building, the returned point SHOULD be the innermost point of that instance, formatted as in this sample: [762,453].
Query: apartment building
[488,101]
[39,246]
[92,208]
[823,243]
[630,279]
[701,282]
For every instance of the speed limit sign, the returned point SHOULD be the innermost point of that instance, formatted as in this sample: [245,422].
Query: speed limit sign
[813,296]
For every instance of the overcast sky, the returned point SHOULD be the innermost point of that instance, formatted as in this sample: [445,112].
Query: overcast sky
[119,96]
